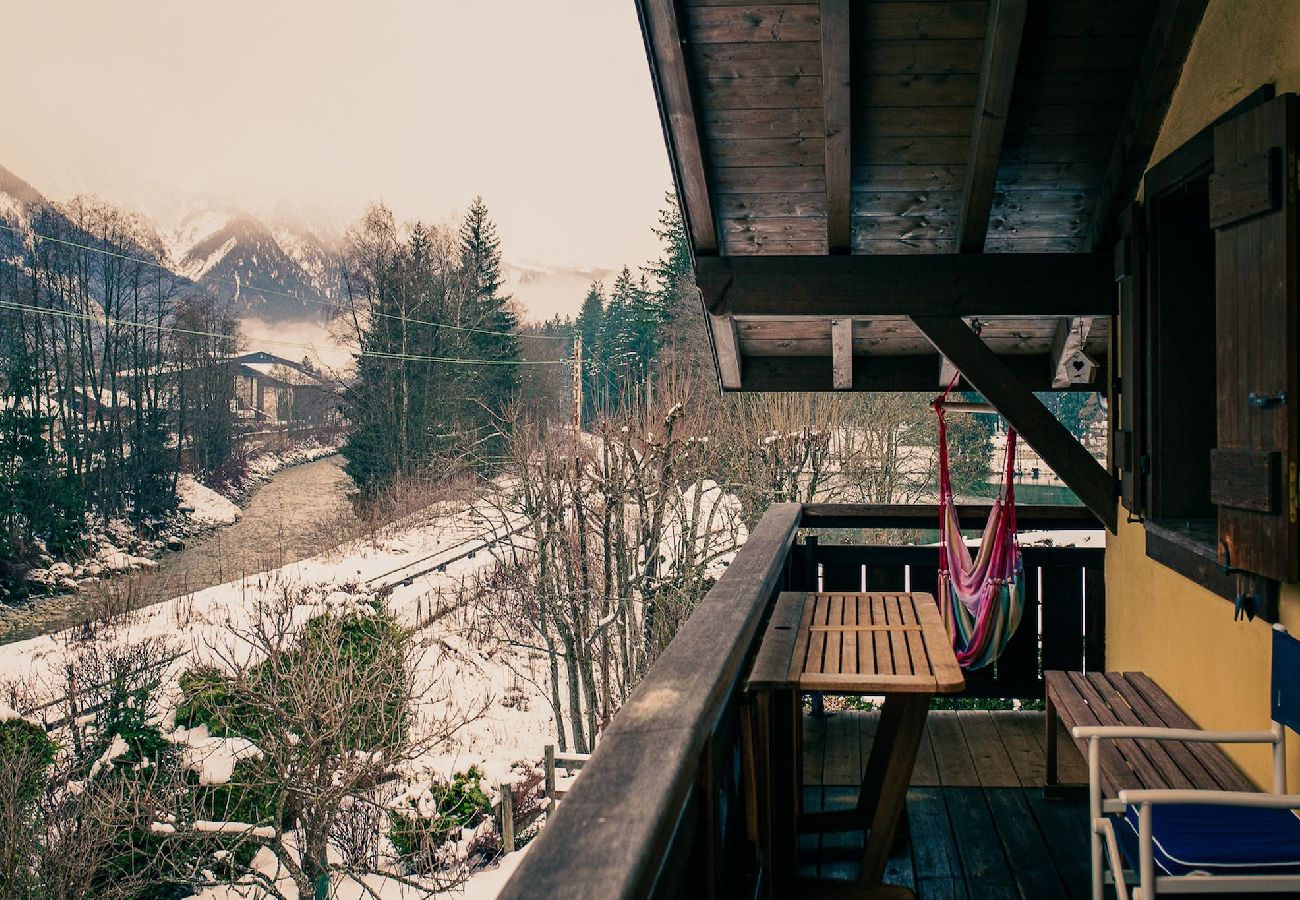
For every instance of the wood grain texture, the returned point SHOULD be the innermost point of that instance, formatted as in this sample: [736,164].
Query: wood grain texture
[677,113]
[727,350]
[837,105]
[842,354]
[997,78]
[1258,307]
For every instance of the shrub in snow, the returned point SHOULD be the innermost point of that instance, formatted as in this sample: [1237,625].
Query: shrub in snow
[422,825]
[26,752]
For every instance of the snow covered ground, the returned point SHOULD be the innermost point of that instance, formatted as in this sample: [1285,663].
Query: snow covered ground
[468,670]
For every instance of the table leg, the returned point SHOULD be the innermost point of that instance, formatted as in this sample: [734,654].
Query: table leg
[898,737]
[1051,778]
[786,787]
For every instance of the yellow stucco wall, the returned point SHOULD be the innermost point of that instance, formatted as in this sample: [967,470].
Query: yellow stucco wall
[1157,621]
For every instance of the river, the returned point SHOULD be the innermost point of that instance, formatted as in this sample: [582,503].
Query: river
[302,511]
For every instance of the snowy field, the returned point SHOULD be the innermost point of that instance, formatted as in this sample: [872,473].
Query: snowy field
[470,673]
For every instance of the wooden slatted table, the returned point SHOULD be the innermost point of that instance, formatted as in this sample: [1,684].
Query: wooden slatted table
[890,644]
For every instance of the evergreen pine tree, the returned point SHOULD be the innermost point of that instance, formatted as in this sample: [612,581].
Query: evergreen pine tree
[590,326]
[493,388]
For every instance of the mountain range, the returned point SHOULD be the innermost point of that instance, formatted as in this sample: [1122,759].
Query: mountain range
[283,268]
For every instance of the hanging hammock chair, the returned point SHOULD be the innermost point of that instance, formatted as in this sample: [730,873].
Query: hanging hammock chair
[981,598]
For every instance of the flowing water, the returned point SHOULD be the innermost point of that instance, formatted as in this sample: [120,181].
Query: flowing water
[300,512]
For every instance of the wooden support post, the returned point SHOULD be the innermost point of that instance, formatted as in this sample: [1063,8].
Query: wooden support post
[837,104]
[550,778]
[726,344]
[842,354]
[947,372]
[997,76]
[989,375]
[507,818]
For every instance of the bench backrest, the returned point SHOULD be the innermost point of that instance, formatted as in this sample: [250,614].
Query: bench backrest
[1286,679]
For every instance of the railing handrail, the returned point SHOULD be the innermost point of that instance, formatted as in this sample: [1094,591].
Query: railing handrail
[611,835]
[926,515]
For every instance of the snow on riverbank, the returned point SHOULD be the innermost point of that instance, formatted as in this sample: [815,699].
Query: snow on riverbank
[471,674]
[116,546]
[206,506]
[467,667]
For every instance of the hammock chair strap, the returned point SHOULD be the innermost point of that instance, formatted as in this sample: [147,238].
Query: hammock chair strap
[982,598]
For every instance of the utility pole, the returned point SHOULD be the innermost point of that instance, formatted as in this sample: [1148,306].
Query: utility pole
[577,387]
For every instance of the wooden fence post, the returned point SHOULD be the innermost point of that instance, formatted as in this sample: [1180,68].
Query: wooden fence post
[550,779]
[507,818]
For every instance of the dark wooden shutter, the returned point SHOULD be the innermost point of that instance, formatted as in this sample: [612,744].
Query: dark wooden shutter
[1253,209]
[1127,429]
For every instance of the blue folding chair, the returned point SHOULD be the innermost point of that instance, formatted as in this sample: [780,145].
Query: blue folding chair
[1198,841]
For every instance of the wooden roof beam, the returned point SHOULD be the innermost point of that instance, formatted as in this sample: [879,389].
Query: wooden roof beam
[997,77]
[872,372]
[726,347]
[837,106]
[1168,42]
[842,354]
[663,40]
[992,377]
[992,284]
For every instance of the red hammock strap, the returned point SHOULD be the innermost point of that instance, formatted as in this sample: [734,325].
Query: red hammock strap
[945,477]
[1008,491]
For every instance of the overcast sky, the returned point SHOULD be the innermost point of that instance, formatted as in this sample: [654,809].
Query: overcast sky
[546,109]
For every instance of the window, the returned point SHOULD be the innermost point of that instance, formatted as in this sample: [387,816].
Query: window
[1208,425]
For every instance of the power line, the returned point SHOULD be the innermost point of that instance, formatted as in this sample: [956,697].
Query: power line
[374,354]
[274,293]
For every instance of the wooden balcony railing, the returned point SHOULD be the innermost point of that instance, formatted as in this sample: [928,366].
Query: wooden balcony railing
[659,811]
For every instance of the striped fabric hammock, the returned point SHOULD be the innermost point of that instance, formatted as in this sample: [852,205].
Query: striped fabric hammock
[981,598]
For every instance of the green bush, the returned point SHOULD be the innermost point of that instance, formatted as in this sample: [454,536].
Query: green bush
[459,803]
[29,750]
[211,698]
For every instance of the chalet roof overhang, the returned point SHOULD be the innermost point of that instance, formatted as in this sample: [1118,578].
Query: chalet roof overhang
[846,165]
[880,193]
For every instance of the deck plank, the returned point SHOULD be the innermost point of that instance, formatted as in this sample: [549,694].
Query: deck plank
[1034,870]
[993,766]
[967,841]
[1021,736]
[981,855]
[926,773]
[934,851]
[814,749]
[1064,826]
[956,768]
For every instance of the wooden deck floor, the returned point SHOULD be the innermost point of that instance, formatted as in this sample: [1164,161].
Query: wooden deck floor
[979,826]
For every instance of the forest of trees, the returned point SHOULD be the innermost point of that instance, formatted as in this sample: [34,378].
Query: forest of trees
[111,368]
[422,303]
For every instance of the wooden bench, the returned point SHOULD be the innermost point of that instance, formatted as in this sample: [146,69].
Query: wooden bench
[1132,698]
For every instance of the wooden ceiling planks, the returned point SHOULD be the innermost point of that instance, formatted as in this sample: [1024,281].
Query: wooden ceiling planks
[916,78]
[1077,62]
[898,336]
[759,73]
[826,126]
